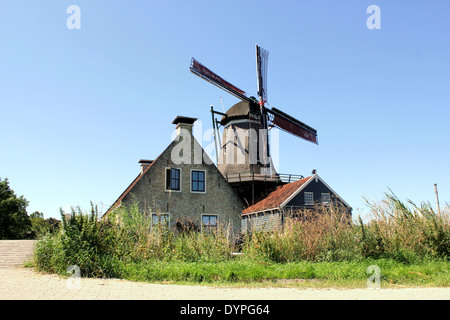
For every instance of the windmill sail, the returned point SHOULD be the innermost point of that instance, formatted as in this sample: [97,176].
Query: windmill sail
[203,72]
[290,124]
[262,57]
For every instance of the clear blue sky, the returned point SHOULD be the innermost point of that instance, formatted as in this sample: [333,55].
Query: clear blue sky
[79,108]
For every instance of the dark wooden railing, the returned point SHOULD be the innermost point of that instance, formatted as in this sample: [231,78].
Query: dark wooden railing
[251,176]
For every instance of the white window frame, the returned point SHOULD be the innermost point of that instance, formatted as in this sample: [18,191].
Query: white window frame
[159,218]
[165,179]
[327,196]
[204,183]
[309,202]
[209,214]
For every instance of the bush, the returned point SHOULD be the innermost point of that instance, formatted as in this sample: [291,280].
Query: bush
[83,240]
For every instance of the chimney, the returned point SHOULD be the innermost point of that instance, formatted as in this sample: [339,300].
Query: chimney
[185,123]
[144,164]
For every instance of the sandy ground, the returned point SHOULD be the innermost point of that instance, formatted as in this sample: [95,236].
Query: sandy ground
[26,284]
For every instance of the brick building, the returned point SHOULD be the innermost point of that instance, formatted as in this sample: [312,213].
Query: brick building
[183,185]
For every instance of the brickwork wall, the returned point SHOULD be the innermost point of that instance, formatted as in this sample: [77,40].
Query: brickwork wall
[267,221]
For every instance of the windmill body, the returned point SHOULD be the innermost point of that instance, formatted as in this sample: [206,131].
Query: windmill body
[243,145]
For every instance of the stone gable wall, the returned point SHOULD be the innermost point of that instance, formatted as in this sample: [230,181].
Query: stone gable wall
[219,198]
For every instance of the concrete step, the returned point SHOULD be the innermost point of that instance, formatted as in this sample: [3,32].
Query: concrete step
[15,252]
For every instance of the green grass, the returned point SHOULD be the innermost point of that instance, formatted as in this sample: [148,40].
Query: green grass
[299,274]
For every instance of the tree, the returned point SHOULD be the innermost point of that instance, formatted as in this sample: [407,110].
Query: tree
[41,226]
[37,214]
[14,221]
[38,224]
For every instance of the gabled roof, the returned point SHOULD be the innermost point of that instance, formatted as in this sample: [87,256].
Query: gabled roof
[118,202]
[278,197]
[284,194]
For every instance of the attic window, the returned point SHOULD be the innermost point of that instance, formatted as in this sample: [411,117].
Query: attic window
[325,198]
[309,198]
[198,181]
[173,179]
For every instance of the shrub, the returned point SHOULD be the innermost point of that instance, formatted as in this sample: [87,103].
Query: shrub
[83,240]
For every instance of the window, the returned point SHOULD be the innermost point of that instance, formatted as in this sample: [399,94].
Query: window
[309,198]
[209,222]
[325,197]
[198,181]
[160,218]
[173,179]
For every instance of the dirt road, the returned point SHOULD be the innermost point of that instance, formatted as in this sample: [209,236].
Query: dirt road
[23,284]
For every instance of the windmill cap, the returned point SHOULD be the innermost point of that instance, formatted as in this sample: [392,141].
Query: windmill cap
[181,119]
[240,110]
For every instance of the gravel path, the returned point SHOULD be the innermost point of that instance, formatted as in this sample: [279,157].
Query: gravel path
[22,283]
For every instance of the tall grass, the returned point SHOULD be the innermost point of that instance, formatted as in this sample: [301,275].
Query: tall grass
[324,233]
[125,240]
[404,231]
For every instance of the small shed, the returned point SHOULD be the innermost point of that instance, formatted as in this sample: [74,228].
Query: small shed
[269,213]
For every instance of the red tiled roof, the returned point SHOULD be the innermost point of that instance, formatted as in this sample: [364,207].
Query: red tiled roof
[277,197]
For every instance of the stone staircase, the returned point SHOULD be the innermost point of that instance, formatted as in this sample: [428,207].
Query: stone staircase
[14,253]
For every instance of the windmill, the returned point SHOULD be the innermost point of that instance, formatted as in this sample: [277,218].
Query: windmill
[246,124]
